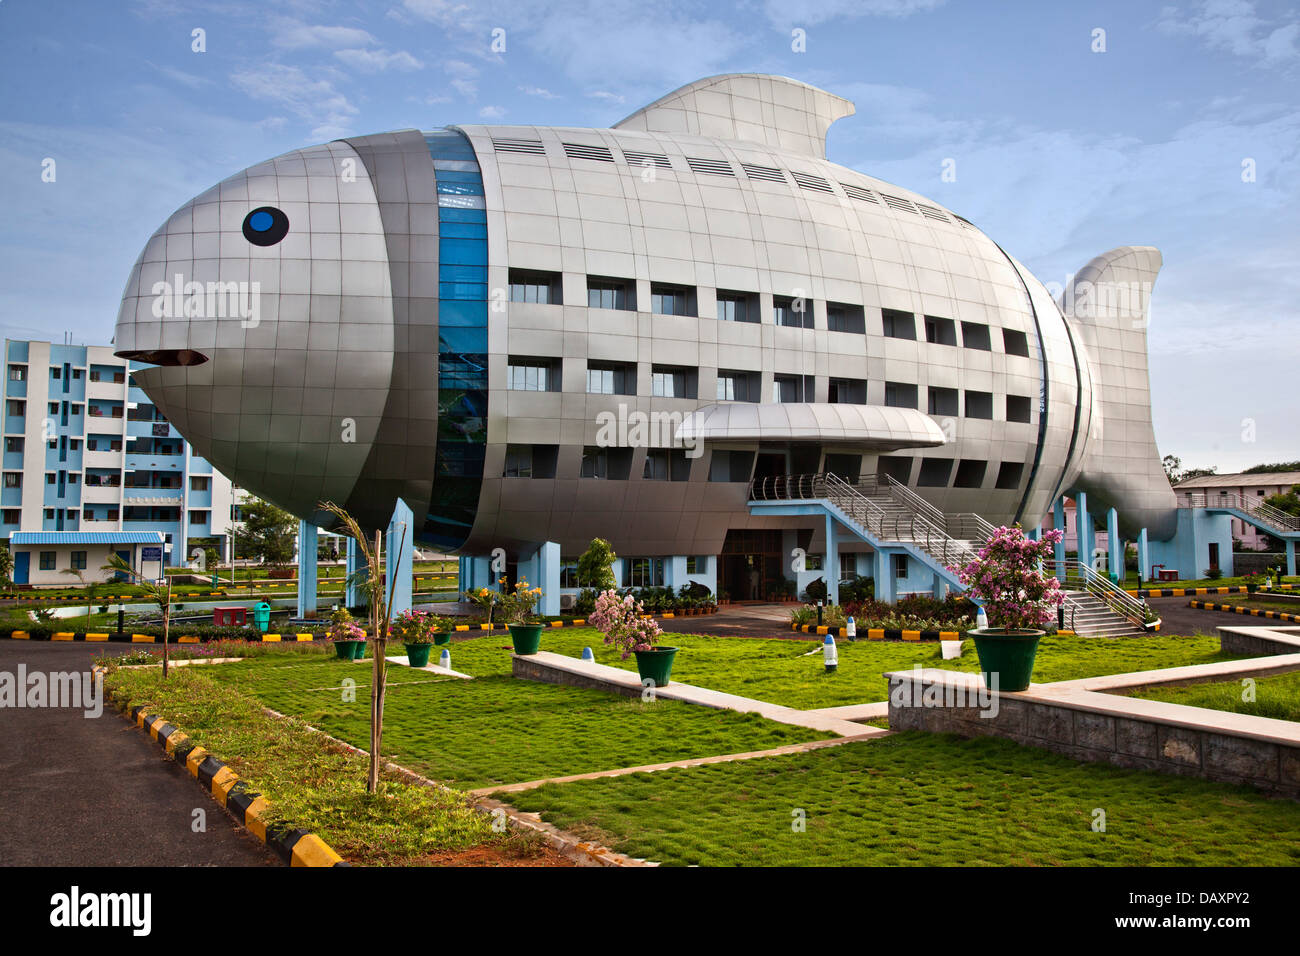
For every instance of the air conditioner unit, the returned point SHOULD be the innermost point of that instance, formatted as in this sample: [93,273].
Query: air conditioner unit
[567,601]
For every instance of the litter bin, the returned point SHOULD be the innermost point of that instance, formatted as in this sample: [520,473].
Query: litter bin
[262,615]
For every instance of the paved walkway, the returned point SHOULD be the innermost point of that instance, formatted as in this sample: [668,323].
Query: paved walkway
[81,791]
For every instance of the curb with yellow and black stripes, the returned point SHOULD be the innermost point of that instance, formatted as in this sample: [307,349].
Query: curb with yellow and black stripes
[889,633]
[295,847]
[1242,609]
[1191,592]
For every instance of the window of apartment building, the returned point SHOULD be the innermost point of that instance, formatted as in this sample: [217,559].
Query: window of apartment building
[792,388]
[90,514]
[666,464]
[900,395]
[898,325]
[49,513]
[940,331]
[942,401]
[76,373]
[731,465]
[847,391]
[848,566]
[13,479]
[56,372]
[569,573]
[1015,342]
[17,373]
[611,378]
[533,374]
[608,293]
[54,408]
[530,461]
[735,386]
[975,335]
[934,473]
[848,467]
[643,572]
[792,312]
[842,317]
[1009,473]
[198,517]
[531,286]
[614,464]
[970,473]
[697,564]
[14,444]
[200,483]
[672,299]
[12,516]
[72,477]
[49,477]
[112,514]
[899,564]
[74,444]
[737,306]
[979,404]
[78,557]
[47,559]
[669,381]
[15,408]
[1018,408]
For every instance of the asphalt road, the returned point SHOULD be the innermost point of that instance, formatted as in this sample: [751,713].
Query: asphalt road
[78,791]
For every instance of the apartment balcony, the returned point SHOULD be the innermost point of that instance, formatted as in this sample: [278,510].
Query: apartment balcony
[151,496]
[136,462]
[101,494]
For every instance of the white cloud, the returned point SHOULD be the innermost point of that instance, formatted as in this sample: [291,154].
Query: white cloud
[791,13]
[462,77]
[607,96]
[1234,26]
[538,92]
[296,35]
[315,101]
[377,61]
[491,112]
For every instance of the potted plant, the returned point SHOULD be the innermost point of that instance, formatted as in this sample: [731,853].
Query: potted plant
[517,609]
[442,629]
[1020,600]
[485,599]
[415,629]
[1251,580]
[623,622]
[349,639]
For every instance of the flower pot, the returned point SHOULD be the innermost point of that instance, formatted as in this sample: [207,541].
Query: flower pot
[417,655]
[1008,654]
[526,638]
[442,638]
[655,665]
[359,651]
[346,650]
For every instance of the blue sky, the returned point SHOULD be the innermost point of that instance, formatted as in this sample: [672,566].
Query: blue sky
[1060,152]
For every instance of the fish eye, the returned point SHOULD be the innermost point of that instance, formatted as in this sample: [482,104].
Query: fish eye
[265,226]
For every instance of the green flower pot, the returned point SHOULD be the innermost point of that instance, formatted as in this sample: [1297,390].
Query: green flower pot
[526,638]
[655,665]
[1008,654]
[346,650]
[359,651]
[442,638]
[417,655]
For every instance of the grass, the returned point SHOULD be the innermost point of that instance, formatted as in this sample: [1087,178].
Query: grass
[309,783]
[496,729]
[779,671]
[1277,697]
[917,799]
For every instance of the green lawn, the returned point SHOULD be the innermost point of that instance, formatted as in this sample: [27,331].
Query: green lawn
[778,671]
[1277,697]
[917,799]
[496,729]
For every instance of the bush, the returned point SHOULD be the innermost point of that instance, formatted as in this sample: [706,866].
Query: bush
[858,589]
[815,591]
[1213,574]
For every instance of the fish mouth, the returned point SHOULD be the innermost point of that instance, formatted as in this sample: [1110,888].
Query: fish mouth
[166,357]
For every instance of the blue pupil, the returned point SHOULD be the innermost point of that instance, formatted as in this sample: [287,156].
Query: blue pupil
[260,221]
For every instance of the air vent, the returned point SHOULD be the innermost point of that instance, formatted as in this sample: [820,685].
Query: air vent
[583,151]
[714,167]
[769,174]
[965,222]
[809,181]
[637,158]
[931,212]
[860,194]
[530,146]
[898,202]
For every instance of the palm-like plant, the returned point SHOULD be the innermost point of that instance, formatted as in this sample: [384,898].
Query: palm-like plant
[80,575]
[160,591]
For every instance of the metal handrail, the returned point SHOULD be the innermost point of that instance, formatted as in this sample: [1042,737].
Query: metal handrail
[959,523]
[906,496]
[1110,593]
[1265,513]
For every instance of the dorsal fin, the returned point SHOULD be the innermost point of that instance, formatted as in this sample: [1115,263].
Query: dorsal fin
[774,110]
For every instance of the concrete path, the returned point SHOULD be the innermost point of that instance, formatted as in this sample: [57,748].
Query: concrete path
[78,791]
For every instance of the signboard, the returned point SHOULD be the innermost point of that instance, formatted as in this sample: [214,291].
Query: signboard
[151,554]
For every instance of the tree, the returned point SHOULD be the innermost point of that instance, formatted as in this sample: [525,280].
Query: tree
[370,579]
[80,575]
[1173,466]
[1276,466]
[1288,502]
[267,532]
[160,591]
[6,566]
[596,566]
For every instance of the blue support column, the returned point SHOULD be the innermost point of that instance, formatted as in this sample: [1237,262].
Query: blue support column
[307,572]
[884,577]
[1290,557]
[1058,523]
[397,561]
[1115,546]
[831,564]
[1083,531]
[1144,556]
[939,587]
[548,578]
[352,596]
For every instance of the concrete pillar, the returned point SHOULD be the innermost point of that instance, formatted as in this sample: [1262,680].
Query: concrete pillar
[831,564]
[885,584]
[1144,556]
[939,587]
[399,548]
[1114,545]
[1084,534]
[547,569]
[307,536]
[1058,523]
[1290,557]
[352,595]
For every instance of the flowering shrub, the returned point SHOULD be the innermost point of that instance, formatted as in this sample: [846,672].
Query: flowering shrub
[343,628]
[517,606]
[1007,578]
[416,627]
[485,599]
[623,622]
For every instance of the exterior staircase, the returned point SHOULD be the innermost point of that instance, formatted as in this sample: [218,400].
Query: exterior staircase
[1265,517]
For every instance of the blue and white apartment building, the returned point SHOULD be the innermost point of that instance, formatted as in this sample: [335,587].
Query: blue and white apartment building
[86,453]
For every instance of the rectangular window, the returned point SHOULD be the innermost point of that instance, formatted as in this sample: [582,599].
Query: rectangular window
[1015,342]
[899,563]
[791,388]
[940,331]
[979,404]
[530,461]
[731,466]
[1018,408]
[14,444]
[891,466]
[975,335]
[607,293]
[841,317]
[200,483]
[49,478]
[17,373]
[697,564]
[569,572]
[112,514]
[611,378]
[13,479]
[847,467]
[737,306]
[795,313]
[848,566]
[900,395]
[16,408]
[942,401]
[970,473]
[899,325]
[671,299]
[671,382]
[934,473]
[847,391]
[78,557]
[1009,473]
[533,374]
[56,373]
[530,286]
[734,386]
[666,464]
[198,517]
[614,464]
[12,516]
[47,559]
[643,572]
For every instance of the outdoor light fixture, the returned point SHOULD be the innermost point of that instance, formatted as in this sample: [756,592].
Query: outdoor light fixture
[830,656]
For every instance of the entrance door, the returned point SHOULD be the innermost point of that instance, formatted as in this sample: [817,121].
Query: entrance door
[22,563]
[1214,554]
[125,556]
